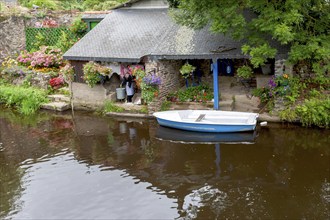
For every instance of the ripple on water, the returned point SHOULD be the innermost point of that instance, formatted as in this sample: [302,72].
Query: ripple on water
[61,187]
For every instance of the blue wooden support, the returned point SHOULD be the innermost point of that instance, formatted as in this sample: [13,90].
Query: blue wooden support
[215,85]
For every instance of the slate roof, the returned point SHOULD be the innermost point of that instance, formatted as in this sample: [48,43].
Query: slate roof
[128,35]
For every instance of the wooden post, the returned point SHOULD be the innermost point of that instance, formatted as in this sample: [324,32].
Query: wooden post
[215,84]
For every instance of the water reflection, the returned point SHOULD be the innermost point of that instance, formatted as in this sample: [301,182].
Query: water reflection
[97,167]
[190,137]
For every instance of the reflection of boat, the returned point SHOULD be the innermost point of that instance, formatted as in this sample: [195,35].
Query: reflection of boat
[208,120]
[191,137]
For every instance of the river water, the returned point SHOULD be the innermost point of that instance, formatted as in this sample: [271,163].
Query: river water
[85,166]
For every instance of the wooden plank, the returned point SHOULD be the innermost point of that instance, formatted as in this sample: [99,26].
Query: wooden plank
[200,117]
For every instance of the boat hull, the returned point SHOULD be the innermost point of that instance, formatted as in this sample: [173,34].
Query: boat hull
[213,122]
[205,127]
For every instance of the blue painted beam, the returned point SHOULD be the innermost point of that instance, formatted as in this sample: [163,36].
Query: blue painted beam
[215,85]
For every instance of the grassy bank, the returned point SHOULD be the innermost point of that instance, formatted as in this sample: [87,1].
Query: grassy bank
[26,100]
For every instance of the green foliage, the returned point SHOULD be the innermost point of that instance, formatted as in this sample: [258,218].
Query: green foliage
[47,4]
[36,37]
[94,72]
[101,4]
[313,93]
[201,93]
[244,72]
[259,54]
[302,26]
[148,92]
[139,74]
[9,74]
[314,112]
[65,41]
[27,100]
[144,109]
[263,93]
[288,115]
[173,3]
[186,70]
[111,107]
[67,72]
[165,105]
[72,4]
[40,40]
[78,27]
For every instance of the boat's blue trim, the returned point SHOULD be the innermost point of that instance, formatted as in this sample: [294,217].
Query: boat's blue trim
[205,127]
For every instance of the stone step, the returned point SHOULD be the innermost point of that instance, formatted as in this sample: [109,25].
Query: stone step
[56,106]
[246,103]
[137,99]
[59,98]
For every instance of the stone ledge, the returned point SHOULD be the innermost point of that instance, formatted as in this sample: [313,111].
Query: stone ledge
[133,115]
[269,118]
[56,106]
[59,98]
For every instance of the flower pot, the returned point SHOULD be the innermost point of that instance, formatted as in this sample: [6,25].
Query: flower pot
[120,92]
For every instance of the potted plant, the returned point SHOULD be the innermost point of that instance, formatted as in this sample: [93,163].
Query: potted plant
[244,72]
[95,73]
[186,71]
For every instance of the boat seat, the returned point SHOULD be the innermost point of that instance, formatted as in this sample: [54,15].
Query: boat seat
[200,117]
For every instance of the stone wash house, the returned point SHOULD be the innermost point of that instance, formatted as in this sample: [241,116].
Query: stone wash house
[142,32]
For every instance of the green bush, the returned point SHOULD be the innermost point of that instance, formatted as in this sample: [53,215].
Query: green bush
[26,100]
[111,107]
[48,4]
[245,72]
[78,27]
[201,93]
[314,112]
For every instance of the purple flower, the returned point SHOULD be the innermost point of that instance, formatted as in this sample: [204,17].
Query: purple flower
[272,83]
[152,80]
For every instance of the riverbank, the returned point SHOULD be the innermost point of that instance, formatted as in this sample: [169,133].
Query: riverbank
[228,102]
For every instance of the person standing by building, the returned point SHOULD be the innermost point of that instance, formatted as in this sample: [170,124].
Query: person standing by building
[128,82]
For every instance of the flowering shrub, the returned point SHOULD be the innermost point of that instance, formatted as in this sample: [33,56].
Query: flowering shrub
[48,22]
[24,58]
[67,72]
[201,93]
[139,73]
[57,82]
[13,72]
[78,26]
[149,87]
[94,73]
[148,92]
[45,57]
[8,62]
[277,86]
[152,80]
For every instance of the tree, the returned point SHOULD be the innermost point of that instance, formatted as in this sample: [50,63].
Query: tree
[303,26]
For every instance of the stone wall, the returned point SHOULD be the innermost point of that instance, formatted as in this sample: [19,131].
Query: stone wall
[87,98]
[281,67]
[171,79]
[12,34]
